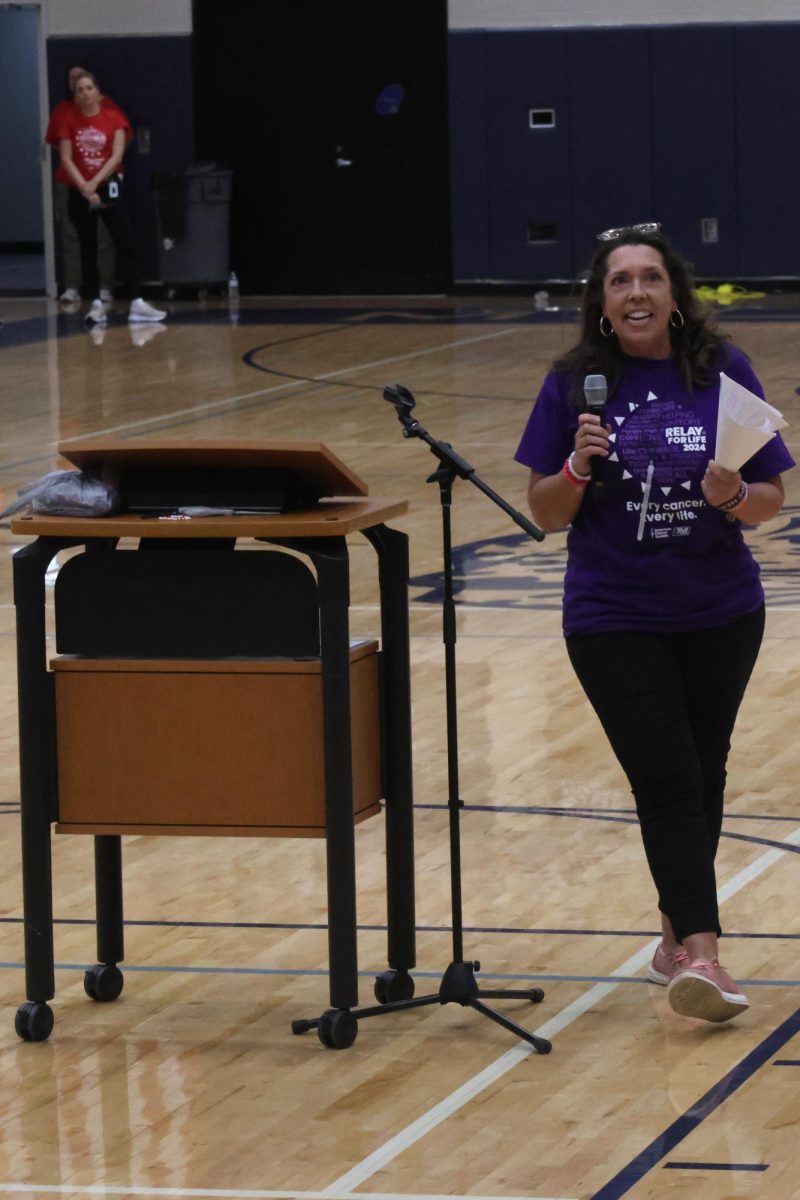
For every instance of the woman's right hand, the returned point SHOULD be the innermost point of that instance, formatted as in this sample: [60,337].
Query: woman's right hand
[591,438]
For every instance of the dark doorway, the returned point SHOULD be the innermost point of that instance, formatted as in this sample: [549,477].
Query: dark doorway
[333,116]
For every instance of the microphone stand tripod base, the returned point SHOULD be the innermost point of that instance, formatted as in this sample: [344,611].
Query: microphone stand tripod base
[337,1028]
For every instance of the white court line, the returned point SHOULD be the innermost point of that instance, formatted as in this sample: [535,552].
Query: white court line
[100,1189]
[451,1104]
[756,868]
[282,387]
[342,1189]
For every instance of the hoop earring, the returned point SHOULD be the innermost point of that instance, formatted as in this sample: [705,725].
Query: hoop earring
[610,327]
[676,312]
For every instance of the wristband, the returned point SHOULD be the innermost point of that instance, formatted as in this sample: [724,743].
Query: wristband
[576,480]
[569,472]
[734,501]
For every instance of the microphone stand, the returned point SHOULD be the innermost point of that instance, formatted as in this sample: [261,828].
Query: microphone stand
[458,984]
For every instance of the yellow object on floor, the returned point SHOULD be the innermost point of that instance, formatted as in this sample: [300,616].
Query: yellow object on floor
[727,293]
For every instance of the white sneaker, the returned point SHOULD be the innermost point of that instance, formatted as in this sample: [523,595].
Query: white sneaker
[97,314]
[140,310]
[106,296]
[70,296]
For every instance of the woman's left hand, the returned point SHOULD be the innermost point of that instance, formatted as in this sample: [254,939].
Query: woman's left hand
[719,484]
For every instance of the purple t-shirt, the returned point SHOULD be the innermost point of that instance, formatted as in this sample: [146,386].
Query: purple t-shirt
[690,568]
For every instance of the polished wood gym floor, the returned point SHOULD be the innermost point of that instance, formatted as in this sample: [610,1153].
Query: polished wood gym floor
[191,1084]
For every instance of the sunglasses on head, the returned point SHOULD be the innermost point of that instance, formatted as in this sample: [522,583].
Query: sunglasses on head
[611,235]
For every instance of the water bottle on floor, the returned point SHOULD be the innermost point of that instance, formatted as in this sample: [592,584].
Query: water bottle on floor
[233,297]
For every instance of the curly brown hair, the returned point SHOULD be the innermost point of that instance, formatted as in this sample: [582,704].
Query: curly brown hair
[695,346]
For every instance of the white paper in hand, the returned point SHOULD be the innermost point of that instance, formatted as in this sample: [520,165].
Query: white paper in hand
[745,423]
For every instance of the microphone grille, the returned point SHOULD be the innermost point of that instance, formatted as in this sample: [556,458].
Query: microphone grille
[595,389]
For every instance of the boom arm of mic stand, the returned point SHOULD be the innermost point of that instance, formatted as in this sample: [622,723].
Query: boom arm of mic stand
[517,517]
[449,458]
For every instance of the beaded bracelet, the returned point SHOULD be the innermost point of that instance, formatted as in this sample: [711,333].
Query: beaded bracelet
[569,472]
[734,501]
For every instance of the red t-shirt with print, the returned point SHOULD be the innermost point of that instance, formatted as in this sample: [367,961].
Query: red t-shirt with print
[92,137]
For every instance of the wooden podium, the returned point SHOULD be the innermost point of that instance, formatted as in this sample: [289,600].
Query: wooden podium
[204,684]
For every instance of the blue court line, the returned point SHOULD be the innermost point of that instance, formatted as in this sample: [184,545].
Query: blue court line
[770,983]
[484,976]
[786,1062]
[602,815]
[321,926]
[694,1116]
[706,1166]
[586,808]
[339,381]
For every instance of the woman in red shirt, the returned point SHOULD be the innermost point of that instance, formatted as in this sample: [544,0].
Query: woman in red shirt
[92,143]
[70,246]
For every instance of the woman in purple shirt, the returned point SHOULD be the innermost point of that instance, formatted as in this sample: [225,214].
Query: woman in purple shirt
[663,605]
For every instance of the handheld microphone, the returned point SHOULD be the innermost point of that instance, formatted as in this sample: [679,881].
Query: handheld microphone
[595,390]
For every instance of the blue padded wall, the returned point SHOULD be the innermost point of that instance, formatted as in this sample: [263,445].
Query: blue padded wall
[669,123]
[469,173]
[529,168]
[151,78]
[768,148]
[611,115]
[694,142]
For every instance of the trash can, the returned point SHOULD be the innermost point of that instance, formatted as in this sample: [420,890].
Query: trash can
[193,208]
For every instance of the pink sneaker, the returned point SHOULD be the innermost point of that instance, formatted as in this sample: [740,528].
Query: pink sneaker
[705,990]
[665,963]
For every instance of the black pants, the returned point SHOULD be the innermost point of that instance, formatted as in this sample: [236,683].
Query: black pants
[85,217]
[668,704]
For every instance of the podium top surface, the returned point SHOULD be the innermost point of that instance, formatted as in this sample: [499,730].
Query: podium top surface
[329,518]
[310,463]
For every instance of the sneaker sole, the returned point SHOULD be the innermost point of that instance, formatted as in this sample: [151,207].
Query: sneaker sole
[695,996]
[654,976]
[146,320]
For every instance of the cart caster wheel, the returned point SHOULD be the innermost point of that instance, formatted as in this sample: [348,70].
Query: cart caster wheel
[103,982]
[338,1028]
[393,985]
[536,995]
[34,1022]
